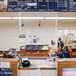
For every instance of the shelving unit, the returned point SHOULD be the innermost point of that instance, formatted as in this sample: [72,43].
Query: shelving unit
[35,52]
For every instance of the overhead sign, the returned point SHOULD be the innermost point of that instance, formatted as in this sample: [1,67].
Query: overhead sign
[41,5]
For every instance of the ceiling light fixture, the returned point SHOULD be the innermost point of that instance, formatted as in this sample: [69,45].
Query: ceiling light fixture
[48,18]
[60,18]
[5,18]
[28,18]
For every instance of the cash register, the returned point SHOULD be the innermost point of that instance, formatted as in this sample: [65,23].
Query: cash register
[7,55]
[12,53]
[25,62]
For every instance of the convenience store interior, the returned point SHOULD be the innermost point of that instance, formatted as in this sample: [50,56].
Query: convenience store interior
[33,36]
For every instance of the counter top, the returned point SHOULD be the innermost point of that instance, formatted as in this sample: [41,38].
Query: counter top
[36,58]
[48,65]
[16,59]
[34,68]
[67,61]
[40,64]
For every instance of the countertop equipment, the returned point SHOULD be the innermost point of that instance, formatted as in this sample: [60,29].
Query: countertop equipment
[25,62]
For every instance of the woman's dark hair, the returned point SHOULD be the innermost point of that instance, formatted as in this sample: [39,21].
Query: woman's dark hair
[59,39]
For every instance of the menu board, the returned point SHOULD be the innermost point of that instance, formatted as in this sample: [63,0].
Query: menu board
[41,5]
[6,72]
[37,5]
[62,5]
[72,5]
[22,5]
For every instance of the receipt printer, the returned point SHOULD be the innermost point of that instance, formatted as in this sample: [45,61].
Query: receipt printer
[25,62]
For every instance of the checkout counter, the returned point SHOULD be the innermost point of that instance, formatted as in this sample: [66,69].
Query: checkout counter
[44,67]
[9,66]
[38,67]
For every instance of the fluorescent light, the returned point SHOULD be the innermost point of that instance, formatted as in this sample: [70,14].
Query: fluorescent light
[27,18]
[60,17]
[5,18]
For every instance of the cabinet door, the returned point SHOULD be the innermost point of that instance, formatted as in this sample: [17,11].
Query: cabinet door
[42,72]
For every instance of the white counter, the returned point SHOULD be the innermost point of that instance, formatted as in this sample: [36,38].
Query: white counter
[39,67]
[43,64]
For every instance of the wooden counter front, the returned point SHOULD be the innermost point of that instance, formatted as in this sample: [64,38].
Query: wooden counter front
[69,63]
[13,65]
[33,52]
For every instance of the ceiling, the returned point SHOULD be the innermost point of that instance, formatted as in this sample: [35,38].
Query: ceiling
[39,14]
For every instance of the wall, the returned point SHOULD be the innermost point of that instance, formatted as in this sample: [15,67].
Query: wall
[67,24]
[9,32]
[46,30]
